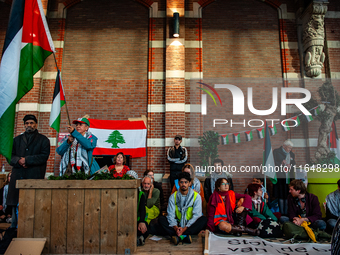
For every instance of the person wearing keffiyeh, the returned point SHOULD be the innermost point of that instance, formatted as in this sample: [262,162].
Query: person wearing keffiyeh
[76,149]
[184,213]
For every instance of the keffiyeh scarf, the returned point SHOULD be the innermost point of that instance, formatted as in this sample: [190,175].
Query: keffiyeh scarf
[184,205]
[78,159]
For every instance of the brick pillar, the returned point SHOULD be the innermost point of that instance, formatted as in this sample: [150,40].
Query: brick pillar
[174,74]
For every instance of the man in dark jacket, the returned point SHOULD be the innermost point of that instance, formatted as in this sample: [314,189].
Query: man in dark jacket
[177,157]
[285,160]
[303,206]
[29,159]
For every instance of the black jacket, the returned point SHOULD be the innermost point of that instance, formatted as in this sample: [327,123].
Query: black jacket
[178,160]
[36,152]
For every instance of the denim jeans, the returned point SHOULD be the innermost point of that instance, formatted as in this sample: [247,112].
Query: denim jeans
[331,223]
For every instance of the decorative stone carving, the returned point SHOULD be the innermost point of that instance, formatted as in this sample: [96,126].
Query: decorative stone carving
[313,37]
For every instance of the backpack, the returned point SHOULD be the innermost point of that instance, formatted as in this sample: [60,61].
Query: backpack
[290,230]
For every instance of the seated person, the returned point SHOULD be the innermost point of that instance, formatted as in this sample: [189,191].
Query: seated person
[142,225]
[209,183]
[151,195]
[76,149]
[5,211]
[257,178]
[195,183]
[333,207]
[119,169]
[184,213]
[260,210]
[303,206]
[222,205]
[157,185]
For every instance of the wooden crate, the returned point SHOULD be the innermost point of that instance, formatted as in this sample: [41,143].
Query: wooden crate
[78,217]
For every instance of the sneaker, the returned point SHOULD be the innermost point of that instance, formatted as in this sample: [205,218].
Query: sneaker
[187,239]
[175,240]
[9,220]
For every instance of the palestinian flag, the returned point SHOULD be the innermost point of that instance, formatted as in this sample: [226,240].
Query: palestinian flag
[260,133]
[268,165]
[297,120]
[285,126]
[116,136]
[27,44]
[317,110]
[237,137]
[334,144]
[58,102]
[225,139]
[249,136]
[309,118]
[273,130]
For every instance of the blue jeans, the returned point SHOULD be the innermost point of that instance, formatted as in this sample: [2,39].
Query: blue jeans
[318,224]
[331,223]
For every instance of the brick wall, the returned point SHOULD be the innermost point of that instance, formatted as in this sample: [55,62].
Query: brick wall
[106,59]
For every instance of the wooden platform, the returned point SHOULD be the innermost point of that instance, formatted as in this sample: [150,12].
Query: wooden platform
[164,246]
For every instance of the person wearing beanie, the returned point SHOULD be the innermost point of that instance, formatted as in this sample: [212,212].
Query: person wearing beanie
[29,159]
[77,148]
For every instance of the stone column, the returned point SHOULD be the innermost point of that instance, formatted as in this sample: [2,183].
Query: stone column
[314,37]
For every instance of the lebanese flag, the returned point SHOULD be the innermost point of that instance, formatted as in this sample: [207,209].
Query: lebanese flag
[27,44]
[116,136]
[57,103]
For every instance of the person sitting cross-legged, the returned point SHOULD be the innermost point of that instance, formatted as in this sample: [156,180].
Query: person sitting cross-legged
[222,207]
[184,213]
[303,206]
[260,210]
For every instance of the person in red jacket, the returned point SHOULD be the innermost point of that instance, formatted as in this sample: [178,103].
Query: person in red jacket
[222,204]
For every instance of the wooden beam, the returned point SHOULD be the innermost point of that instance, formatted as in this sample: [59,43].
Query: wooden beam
[77,184]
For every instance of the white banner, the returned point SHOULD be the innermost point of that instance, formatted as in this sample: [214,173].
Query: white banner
[259,246]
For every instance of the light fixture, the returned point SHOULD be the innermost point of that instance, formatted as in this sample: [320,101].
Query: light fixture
[176,24]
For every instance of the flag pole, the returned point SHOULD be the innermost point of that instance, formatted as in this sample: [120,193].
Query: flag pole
[68,116]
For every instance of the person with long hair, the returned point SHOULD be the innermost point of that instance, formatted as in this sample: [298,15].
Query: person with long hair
[223,205]
[119,167]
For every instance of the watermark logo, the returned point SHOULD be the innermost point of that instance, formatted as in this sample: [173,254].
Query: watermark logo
[238,99]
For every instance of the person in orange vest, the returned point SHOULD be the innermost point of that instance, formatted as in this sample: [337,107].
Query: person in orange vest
[222,204]
[184,213]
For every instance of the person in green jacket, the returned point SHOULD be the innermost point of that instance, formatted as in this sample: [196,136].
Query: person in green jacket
[260,210]
[152,200]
